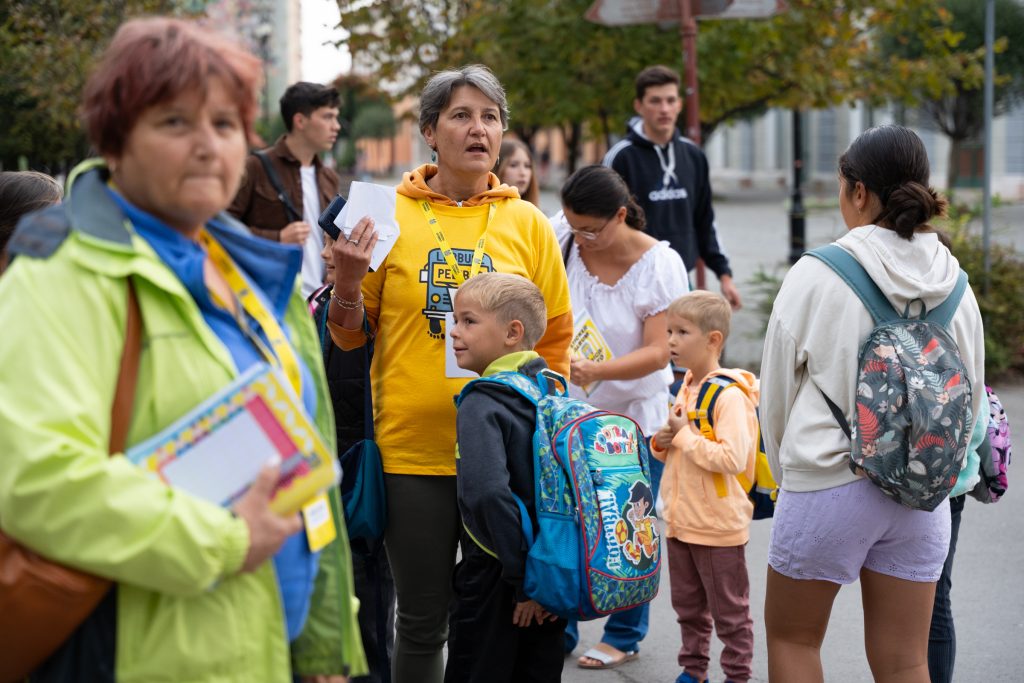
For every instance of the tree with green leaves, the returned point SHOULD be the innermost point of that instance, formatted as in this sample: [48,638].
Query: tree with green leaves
[47,48]
[959,111]
[560,69]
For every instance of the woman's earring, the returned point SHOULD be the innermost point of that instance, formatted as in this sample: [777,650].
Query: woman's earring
[433,156]
[497,162]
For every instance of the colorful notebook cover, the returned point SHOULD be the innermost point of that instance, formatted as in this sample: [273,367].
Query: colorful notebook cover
[216,451]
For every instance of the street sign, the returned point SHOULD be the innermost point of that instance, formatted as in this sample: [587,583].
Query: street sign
[627,12]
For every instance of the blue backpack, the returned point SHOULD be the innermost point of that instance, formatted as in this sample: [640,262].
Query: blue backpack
[597,549]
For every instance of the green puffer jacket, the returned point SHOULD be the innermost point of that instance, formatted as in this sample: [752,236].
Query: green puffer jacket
[184,612]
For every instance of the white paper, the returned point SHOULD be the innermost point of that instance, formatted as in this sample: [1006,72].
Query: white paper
[377,202]
[451,364]
[225,463]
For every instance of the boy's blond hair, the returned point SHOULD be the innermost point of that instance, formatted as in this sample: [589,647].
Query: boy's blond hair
[707,310]
[510,297]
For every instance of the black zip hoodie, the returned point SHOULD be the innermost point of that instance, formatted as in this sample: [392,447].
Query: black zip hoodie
[494,428]
[672,185]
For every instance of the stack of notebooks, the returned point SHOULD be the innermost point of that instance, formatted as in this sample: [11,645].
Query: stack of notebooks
[217,450]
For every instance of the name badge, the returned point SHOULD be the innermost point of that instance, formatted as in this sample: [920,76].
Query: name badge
[319,521]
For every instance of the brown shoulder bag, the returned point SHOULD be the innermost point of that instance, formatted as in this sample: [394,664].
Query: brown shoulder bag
[41,602]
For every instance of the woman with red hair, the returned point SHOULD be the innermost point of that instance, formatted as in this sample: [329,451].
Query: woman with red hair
[200,593]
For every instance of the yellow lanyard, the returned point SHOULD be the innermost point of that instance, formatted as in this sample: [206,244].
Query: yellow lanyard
[283,353]
[446,249]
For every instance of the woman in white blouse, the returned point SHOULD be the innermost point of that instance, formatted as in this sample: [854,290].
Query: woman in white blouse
[623,280]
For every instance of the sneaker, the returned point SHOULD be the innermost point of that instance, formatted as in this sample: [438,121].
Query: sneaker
[687,678]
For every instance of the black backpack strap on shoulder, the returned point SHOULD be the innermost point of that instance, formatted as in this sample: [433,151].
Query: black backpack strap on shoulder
[837,413]
[275,180]
[567,249]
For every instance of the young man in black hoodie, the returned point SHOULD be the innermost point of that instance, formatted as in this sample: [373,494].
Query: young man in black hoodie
[496,632]
[668,174]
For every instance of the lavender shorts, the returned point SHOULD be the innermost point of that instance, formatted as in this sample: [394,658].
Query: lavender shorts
[830,535]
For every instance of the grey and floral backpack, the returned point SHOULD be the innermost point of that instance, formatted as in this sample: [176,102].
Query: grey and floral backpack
[913,405]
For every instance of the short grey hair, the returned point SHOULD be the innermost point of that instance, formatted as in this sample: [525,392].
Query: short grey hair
[437,93]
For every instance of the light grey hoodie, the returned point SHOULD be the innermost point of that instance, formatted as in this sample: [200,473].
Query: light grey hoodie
[815,333]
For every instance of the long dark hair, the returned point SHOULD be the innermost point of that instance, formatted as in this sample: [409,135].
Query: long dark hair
[892,163]
[599,191]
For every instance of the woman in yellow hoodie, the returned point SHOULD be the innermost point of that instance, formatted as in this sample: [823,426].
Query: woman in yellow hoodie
[456,220]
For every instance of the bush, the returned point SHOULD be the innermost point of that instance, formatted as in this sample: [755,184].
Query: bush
[1002,302]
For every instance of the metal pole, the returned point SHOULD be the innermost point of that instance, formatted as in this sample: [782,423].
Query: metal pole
[986,234]
[688,33]
[797,215]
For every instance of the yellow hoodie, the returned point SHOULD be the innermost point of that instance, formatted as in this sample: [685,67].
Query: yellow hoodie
[407,297]
[693,511]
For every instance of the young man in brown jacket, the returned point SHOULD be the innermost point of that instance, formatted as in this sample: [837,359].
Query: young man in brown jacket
[286,208]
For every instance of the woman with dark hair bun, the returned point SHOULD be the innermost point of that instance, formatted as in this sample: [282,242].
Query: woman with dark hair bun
[833,526]
[623,280]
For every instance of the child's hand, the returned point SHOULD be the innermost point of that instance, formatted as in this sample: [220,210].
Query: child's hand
[528,611]
[676,421]
[663,438]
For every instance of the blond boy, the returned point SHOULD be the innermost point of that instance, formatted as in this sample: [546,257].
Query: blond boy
[496,633]
[707,512]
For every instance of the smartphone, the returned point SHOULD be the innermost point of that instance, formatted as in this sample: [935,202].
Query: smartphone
[326,220]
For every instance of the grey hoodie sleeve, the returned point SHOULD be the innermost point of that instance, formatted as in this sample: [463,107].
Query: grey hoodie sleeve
[490,513]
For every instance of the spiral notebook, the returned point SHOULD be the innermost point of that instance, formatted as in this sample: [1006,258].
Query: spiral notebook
[216,451]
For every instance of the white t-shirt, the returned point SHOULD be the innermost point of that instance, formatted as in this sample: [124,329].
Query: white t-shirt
[619,311]
[312,264]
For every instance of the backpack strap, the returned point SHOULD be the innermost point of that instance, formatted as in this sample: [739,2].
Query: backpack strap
[514,380]
[854,275]
[703,418]
[943,313]
[524,518]
[275,180]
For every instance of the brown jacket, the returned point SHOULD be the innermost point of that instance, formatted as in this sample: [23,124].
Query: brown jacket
[256,203]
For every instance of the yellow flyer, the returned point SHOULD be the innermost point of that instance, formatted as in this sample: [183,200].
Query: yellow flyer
[588,342]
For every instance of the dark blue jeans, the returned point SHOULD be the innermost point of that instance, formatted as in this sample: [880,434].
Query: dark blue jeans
[942,636]
[623,630]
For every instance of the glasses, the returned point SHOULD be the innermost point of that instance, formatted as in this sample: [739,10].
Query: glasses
[590,235]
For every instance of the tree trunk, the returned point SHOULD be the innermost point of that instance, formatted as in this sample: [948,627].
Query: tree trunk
[572,135]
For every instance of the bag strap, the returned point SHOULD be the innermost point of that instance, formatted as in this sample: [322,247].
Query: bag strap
[127,375]
[514,380]
[943,313]
[524,518]
[275,180]
[837,413]
[707,397]
[567,249]
[853,274]
[368,427]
